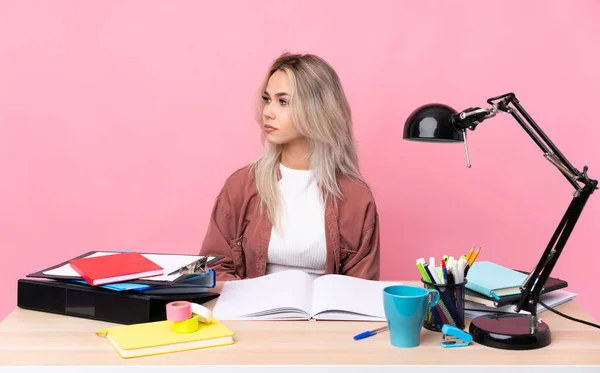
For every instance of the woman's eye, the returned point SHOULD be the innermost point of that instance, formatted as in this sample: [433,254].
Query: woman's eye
[266,99]
[283,102]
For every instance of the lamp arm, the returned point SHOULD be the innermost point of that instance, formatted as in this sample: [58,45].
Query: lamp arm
[551,152]
[534,283]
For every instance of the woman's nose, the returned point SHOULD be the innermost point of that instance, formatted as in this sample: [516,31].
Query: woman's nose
[268,112]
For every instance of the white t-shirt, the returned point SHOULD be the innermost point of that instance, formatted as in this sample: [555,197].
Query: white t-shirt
[301,243]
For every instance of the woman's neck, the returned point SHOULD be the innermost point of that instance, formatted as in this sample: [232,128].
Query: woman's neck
[295,155]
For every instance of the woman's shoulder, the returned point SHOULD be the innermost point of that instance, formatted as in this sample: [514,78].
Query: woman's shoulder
[355,190]
[241,176]
[240,184]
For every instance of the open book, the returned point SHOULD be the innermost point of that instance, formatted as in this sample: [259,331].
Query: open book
[293,294]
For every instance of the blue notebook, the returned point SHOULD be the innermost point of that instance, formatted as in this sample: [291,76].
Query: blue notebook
[494,280]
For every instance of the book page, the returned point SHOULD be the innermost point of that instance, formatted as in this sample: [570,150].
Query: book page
[279,295]
[340,297]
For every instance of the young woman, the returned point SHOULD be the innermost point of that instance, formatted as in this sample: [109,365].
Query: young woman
[303,204]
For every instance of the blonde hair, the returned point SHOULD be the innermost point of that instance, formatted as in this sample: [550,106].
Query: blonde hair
[321,113]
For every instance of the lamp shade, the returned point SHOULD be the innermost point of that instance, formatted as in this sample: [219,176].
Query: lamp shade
[432,122]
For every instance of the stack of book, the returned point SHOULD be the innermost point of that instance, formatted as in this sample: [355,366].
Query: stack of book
[121,287]
[132,271]
[494,288]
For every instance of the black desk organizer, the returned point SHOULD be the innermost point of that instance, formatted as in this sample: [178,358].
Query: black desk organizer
[79,300]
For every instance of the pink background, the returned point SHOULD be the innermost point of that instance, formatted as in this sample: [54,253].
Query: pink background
[120,120]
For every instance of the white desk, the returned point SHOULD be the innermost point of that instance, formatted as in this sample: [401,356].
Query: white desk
[55,342]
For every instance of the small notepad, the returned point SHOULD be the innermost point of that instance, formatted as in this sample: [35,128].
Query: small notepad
[157,337]
[494,280]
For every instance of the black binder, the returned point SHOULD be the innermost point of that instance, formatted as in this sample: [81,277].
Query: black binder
[80,300]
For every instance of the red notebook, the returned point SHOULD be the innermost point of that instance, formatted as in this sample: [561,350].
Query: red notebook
[107,269]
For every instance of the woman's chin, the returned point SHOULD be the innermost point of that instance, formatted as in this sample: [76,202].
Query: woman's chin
[274,140]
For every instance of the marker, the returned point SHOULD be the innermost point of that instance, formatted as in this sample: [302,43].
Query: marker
[445,272]
[437,276]
[420,263]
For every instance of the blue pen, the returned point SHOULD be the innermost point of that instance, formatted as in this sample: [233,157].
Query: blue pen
[370,333]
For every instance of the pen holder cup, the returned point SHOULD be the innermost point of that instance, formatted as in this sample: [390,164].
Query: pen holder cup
[450,308]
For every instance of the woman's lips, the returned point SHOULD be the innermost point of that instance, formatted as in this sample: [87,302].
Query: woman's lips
[269,128]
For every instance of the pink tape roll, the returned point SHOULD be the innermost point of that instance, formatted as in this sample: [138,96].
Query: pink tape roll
[179,310]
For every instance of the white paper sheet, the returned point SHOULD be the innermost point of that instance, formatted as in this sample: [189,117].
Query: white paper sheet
[552,299]
[168,262]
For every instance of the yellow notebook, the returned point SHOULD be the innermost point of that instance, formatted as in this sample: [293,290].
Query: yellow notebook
[158,338]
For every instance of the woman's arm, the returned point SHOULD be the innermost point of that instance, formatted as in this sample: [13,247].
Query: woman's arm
[221,227]
[364,263]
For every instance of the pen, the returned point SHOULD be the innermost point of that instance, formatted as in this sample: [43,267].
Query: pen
[450,271]
[444,272]
[370,333]
[434,310]
[462,265]
[451,281]
[430,274]
[450,278]
[448,308]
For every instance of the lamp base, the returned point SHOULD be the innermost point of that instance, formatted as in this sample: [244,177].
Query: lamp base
[510,332]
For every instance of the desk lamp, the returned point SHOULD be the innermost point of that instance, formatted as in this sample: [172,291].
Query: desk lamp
[441,123]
